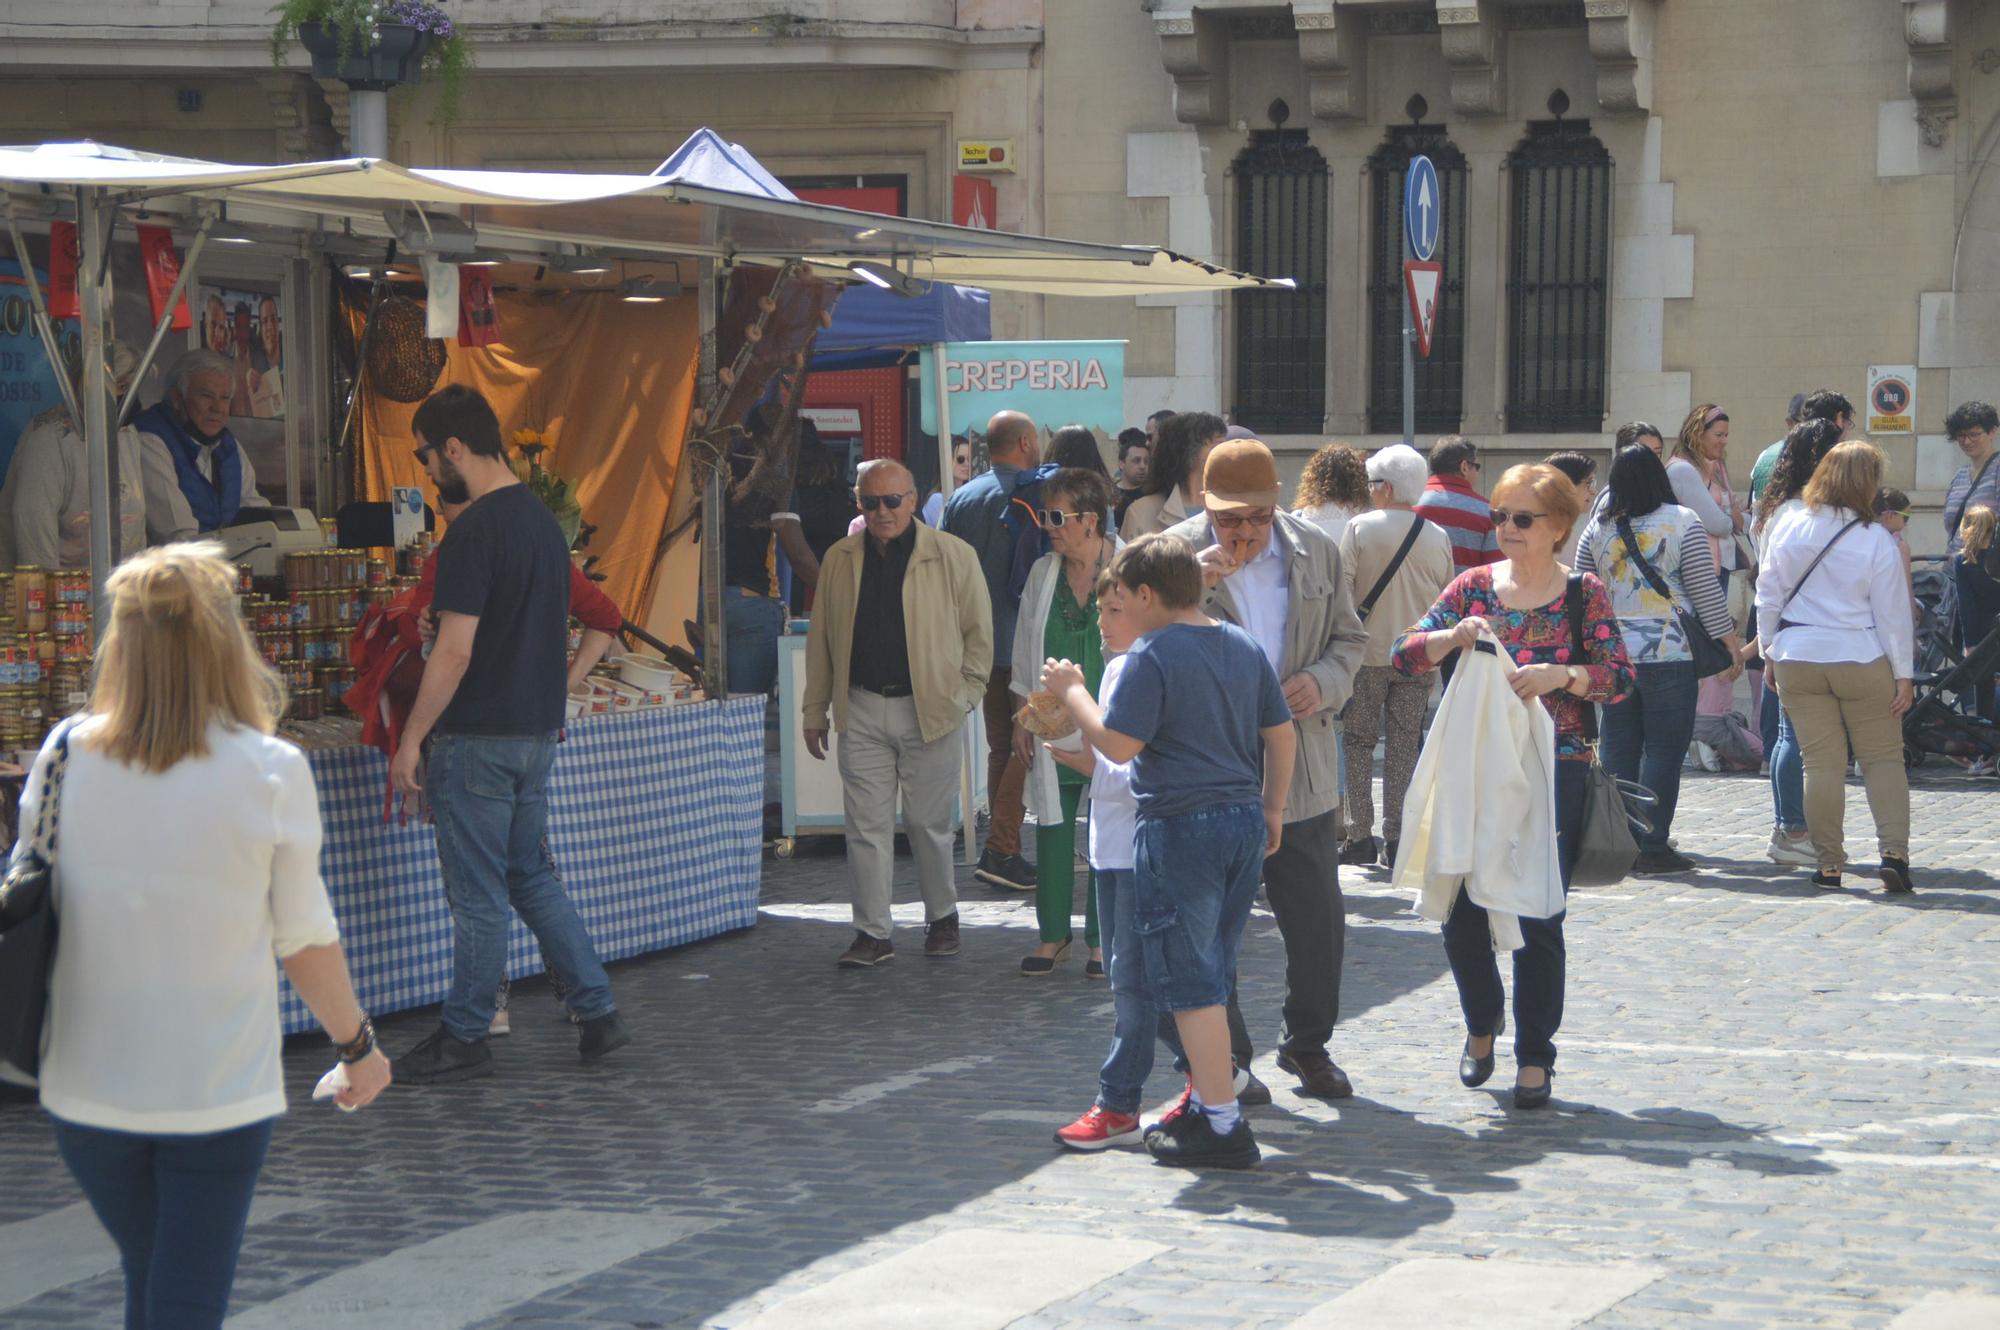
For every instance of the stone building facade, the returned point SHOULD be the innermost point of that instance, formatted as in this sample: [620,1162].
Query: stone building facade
[1648,203]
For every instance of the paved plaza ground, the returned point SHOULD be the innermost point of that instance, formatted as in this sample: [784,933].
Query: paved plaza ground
[1775,1106]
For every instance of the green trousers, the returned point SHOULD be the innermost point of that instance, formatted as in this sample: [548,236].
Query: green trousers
[1055,874]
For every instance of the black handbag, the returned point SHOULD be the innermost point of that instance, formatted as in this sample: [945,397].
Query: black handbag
[28,926]
[1710,656]
[1608,840]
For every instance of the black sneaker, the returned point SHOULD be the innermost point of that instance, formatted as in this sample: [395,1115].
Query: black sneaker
[1008,872]
[600,1035]
[1661,861]
[1895,876]
[1359,853]
[1190,1141]
[443,1058]
[1389,854]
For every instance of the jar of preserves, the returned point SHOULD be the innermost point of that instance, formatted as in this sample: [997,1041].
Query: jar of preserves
[378,571]
[340,646]
[31,599]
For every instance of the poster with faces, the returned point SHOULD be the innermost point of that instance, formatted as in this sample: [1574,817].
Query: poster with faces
[247,326]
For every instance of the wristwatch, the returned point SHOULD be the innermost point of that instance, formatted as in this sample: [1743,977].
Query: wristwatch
[1574,674]
[361,1045]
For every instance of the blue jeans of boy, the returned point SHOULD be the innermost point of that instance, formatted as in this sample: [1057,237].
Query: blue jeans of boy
[1646,737]
[1121,1082]
[1788,772]
[175,1206]
[490,798]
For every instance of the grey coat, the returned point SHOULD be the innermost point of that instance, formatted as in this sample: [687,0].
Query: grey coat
[1323,638]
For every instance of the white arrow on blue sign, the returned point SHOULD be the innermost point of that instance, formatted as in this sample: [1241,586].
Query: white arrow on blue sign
[1422,213]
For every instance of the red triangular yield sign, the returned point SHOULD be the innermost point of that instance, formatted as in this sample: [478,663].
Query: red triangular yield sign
[1423,281]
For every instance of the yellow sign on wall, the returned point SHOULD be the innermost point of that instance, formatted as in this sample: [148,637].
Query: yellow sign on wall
[986,155]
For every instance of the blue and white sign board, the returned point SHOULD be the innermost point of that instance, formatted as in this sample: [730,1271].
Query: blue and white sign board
[1056,383]
[406,515]
[1422,208]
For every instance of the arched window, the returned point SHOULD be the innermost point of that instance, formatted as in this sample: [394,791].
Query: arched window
[1441,377]
[1558,278]
[1281,219]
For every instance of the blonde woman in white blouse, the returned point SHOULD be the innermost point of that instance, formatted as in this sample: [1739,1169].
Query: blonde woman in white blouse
[187,857]
[1833,615]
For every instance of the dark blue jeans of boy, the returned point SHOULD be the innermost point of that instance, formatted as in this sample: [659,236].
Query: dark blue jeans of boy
[1135,1021]
[490,796]
[1646,737]
[176,1207]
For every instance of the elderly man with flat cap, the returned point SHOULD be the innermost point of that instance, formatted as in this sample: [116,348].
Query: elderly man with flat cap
[1278,578]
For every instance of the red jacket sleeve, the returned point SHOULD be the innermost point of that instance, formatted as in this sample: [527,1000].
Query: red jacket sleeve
[591,607]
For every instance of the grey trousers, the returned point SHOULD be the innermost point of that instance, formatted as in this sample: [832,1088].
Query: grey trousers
[883,753]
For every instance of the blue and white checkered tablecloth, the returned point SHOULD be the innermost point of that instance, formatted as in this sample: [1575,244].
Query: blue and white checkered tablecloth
[655,820]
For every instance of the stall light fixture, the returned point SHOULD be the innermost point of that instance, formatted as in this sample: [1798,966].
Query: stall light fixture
[579,262]
[886,277]
[646,291]
[231,235]
[869,234]
[481,259]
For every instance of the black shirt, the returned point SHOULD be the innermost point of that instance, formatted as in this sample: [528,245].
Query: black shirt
[881,655]
[505,562]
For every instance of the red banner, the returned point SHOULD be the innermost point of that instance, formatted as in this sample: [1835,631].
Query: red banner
[163,269]
[62,297]
[974,202]
[478,317]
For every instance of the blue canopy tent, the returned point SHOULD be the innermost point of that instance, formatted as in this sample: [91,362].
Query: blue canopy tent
[873,327]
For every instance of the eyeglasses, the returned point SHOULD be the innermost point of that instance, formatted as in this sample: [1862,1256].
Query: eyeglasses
[1378,480]
[1903,513]
[1522,521]
[1055,518]
[1237,521]
[870,502]
[423,454]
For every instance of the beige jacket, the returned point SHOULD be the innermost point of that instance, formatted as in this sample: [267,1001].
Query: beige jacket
[947,618]
[1323,638]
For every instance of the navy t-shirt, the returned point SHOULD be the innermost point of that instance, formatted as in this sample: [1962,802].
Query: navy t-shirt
[1198,698]
[504,562]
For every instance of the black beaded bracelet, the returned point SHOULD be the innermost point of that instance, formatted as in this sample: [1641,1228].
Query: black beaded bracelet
[361,1045]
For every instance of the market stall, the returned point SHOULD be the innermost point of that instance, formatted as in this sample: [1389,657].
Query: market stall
[656,808]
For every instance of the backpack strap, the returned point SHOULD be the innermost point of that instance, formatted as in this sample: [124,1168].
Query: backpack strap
[1573,604]
[1402,553]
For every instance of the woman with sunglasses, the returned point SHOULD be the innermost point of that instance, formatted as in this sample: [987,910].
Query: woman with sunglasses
[1523,602]
[1058,619]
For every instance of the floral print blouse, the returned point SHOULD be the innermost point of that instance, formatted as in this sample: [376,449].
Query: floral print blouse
[1533,637]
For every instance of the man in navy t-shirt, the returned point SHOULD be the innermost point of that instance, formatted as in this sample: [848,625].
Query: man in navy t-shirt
[491,706]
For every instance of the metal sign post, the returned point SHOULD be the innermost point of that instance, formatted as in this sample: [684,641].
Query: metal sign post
[1422,220]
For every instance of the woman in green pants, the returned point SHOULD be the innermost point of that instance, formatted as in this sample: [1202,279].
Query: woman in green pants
[1059,618]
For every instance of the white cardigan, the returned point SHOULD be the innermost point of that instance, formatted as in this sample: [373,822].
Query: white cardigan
[1481,807]
[1041,795]
[176,890]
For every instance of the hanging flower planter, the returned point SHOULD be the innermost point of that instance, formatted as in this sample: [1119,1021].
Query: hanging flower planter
[373,45]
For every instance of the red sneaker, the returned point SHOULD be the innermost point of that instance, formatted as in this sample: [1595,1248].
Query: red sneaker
[1096,1129]
[1176,1113]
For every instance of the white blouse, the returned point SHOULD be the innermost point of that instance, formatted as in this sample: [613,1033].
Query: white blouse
[174,890]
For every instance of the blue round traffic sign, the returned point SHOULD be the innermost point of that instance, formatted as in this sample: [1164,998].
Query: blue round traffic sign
[1423,210]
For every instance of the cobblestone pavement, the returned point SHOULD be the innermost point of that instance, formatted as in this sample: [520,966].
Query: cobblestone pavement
[1774,1108]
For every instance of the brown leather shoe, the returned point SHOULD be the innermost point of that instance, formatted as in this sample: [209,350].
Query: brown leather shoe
[941,936]
[1318,1077]
[866,953]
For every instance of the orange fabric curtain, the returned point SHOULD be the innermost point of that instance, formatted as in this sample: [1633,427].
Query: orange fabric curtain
[609,382]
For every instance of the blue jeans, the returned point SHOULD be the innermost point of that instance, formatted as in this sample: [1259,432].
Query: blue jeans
[1978,608]
[1788,771]
[176,1207]
[1135,1021]
[490,798]
[1646,737]
[752,623]
[1540,966]
[1194,881]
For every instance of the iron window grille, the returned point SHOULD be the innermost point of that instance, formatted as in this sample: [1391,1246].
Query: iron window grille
[1281,231]
[1558,278]
[1441,377]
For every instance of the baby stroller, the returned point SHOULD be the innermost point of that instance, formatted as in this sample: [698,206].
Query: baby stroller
[1938,723]
[1937,642]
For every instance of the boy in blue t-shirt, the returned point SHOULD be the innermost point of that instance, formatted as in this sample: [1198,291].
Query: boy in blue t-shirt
[1209,774]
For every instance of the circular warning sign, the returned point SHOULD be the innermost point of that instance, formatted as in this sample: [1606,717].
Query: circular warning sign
[1890,398]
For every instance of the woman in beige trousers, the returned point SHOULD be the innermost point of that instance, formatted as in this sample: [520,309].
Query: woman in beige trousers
[1833,615]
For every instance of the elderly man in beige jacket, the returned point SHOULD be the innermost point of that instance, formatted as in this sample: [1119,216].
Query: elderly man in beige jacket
[1277,577]
[901,647]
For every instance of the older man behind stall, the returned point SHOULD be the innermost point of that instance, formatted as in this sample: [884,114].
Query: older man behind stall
[45,503]
[1278,578]
[195,470]
[901,647]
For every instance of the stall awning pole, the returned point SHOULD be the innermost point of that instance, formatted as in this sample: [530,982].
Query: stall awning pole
[947,482]
[43,327]
[166,318]
[92,274]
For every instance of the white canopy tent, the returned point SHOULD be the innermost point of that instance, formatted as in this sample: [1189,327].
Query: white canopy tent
[526,215]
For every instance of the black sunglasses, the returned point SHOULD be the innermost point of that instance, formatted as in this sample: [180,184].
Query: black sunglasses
[423,454]
[1521,520]
[870,502]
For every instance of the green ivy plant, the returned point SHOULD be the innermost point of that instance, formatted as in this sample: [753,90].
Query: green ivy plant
[448,59]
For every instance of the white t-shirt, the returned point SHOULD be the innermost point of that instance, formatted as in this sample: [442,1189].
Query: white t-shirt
[175,890]
[1114,813]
